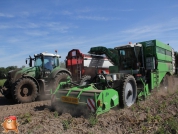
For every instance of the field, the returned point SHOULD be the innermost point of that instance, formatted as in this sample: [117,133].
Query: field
[158,114]
[2,82]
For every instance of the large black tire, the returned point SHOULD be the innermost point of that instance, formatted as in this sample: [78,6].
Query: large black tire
[60,77]
[25,91]
[7,92]
[164,83]
[86,79]
[167,83]
[8,96]
[128,93]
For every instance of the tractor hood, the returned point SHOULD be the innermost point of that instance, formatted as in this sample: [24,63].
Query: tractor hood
[13,75]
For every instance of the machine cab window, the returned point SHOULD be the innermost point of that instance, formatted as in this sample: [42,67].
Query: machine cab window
[51,62]
[38,61]
[126,59]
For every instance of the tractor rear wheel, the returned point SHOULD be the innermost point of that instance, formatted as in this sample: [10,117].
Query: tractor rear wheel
[6,90]
[25,91]
[128,93]
[60,77]
[85,80]
[8,96]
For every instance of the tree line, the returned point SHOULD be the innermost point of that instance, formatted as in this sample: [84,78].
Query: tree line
[4,71]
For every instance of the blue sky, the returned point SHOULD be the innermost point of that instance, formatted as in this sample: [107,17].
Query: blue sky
[33,26]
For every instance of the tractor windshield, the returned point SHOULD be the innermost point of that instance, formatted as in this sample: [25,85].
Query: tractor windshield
[127,59]
[38,61]
[49,62]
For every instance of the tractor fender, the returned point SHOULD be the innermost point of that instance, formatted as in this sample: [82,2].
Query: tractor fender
[55,72]
[37,83]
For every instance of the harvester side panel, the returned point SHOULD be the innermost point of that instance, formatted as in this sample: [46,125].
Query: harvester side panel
[159,59]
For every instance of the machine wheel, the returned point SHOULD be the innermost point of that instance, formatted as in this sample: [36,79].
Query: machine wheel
[6,90]
[167,83]
[128,93]
[85,80]
[25,91]
[164,83]
[8,96]
[60,77]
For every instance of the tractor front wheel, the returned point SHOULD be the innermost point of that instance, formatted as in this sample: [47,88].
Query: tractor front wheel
[128,93]
[25,91]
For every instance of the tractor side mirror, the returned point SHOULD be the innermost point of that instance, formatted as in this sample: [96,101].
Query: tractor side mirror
[42,58]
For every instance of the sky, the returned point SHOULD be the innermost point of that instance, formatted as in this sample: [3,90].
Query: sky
[29,27]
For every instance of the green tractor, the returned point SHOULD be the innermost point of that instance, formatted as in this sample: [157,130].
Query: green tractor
[25,85]
[138,69]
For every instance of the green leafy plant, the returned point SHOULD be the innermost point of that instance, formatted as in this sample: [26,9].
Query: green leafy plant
[66,123]
[56,114]
[26,118]
[2,82]
[169,126]
[93,120]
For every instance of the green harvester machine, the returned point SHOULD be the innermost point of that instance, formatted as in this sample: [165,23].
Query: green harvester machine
[138,69]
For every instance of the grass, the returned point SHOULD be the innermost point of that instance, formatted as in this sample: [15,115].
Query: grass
[26,118]
[2,82]
[93,120]
[66,124]
[55,114]
[170,127]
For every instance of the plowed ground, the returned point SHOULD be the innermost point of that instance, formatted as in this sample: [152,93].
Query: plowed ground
[157,114]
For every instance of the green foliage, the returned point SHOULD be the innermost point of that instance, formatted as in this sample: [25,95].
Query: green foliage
[93,120]
[55,114]
[6,70]
[66,123]
[169,126]
[2,82]
[26,118]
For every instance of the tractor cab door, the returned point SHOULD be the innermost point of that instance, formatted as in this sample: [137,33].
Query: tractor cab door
[127,59]
[42,70]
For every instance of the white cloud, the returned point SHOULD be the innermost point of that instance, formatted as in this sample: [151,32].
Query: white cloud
[85,10]
[97,18]
[24,14]
[4,26]
[6,15]
[36,33]
[66,12]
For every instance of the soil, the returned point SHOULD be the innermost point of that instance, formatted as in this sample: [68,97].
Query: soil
[157,114]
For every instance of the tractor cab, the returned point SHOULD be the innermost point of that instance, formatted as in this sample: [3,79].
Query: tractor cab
[46,60]
[130,57]
[44,63]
